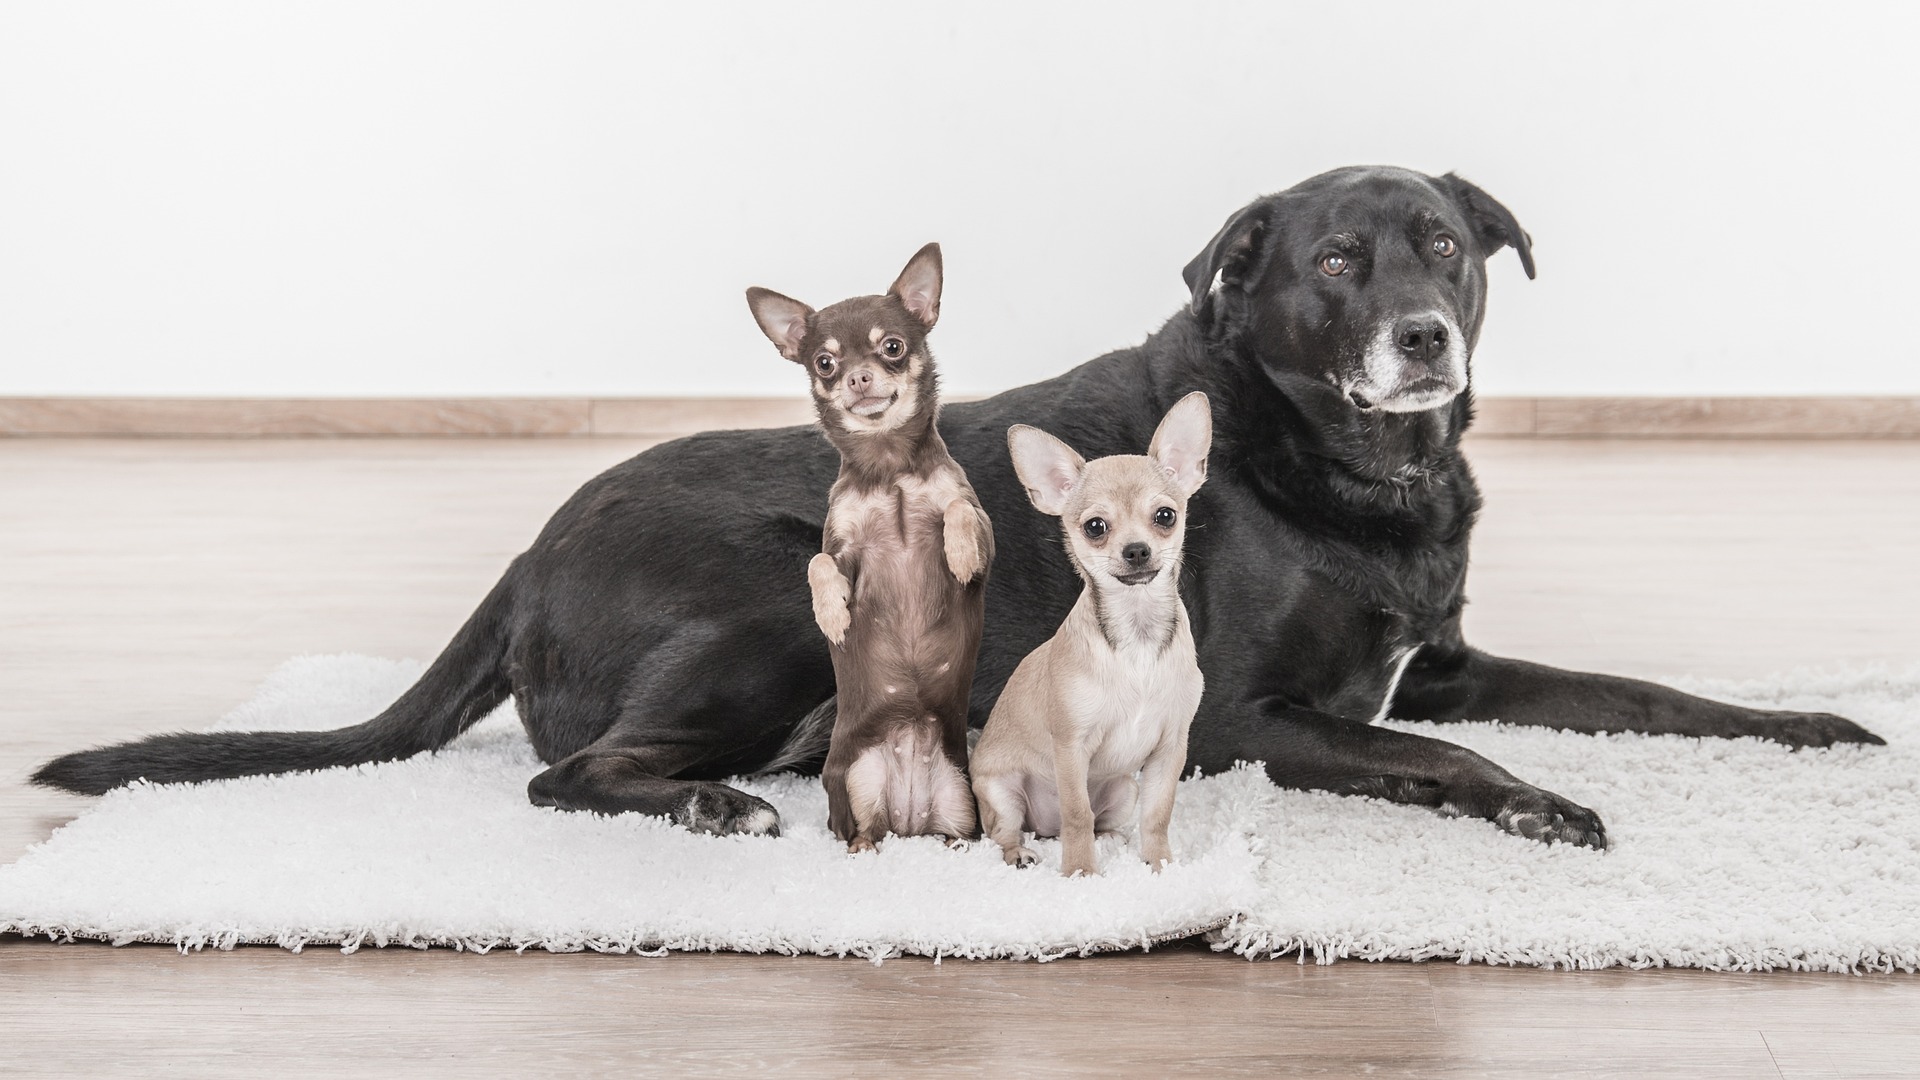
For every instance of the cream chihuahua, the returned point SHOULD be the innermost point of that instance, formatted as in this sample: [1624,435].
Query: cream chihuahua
[1113,692]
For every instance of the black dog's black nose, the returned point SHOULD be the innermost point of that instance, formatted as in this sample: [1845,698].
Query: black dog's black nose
[1420,338]
[1136,553]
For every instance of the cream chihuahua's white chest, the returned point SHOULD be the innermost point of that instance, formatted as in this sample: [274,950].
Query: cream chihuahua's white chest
[1131,698]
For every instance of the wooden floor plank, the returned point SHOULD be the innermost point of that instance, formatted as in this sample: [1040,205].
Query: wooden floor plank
[1815,1053]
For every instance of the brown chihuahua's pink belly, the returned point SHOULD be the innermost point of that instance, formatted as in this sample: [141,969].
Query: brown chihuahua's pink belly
[906,785]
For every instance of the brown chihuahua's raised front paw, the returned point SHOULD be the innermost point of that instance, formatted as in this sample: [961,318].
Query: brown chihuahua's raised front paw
[962,537]
[831,594]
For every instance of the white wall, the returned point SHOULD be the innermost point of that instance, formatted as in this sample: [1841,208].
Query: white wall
[395,198]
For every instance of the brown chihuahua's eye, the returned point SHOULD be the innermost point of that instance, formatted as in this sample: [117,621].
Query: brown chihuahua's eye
[1164,517]
[1443,246]
[1095,528]
[1333,265]
[894,348]
[823,363]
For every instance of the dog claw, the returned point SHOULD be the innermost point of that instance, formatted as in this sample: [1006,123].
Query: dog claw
[1568,824]
[1532,813]
[723,811]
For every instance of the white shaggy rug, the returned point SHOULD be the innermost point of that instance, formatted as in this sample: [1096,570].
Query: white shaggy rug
[1726,855]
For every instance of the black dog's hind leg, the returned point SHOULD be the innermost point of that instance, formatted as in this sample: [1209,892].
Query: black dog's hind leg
[1452,682]
[624,773]
[1321,752]
[634,768]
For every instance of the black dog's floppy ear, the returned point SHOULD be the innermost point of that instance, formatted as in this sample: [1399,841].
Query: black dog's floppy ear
[1227,254]
[782,318]
[918,286]
[1494,223]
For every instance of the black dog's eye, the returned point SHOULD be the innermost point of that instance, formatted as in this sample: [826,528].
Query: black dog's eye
[1333,265]
[824,363]
[1163,517]
[1095,528]
[894,348]
[1443,246]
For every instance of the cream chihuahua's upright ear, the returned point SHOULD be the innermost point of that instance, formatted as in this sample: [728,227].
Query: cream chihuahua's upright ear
[1048,468]
[782,318]
[1181,442]
[918,286]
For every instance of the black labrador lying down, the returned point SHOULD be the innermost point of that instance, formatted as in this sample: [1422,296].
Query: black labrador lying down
[658,637]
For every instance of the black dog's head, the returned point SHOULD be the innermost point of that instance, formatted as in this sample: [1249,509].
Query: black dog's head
[1366,282]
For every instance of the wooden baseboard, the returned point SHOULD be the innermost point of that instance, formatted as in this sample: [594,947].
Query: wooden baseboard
[275,417]
[1520,417]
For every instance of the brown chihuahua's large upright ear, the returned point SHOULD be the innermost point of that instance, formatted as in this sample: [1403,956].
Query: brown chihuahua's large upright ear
[782,318]
[918,286]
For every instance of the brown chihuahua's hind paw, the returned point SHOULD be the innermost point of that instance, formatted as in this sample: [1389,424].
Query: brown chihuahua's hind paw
[860,844]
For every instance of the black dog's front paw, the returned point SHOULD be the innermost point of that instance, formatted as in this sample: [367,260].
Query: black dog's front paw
[723,811]
[1810,729]
[1530,812]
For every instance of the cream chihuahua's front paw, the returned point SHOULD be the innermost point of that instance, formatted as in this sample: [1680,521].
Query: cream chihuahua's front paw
[962,529]
[1071,867]
[830,596]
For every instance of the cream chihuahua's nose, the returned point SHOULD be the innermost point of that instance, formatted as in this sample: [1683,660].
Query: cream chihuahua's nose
[1137,555]
[859,381]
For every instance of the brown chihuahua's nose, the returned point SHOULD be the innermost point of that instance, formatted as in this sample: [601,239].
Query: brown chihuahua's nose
[859,381]
[1136,554]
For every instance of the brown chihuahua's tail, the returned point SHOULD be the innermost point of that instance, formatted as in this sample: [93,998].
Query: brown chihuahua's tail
[463,685]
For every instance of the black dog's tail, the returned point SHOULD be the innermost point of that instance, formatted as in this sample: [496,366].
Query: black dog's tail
[460,688]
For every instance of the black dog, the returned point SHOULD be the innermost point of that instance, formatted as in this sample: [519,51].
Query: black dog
[658,637]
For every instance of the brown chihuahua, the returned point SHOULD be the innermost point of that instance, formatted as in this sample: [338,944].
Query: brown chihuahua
[899,587]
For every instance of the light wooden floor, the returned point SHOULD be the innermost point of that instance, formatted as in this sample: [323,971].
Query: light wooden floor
[148,585]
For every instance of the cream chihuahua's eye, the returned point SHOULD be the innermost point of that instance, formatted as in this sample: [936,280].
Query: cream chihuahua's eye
[1333,265]
[1095,528]
[1164,517]
[823,363]
[1443,246]
[894,348]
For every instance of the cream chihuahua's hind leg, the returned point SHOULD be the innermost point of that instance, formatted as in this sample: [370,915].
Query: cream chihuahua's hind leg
[1003,817]
[831,594]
